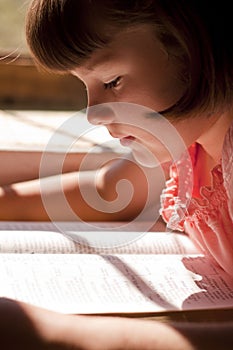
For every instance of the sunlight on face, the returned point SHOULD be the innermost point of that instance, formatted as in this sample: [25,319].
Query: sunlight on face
[135,68]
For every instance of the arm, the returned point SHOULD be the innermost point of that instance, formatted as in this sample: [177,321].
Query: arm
[59,193]
[33,328]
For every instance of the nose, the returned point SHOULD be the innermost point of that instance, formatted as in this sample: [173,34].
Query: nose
[100,114]
[100,108]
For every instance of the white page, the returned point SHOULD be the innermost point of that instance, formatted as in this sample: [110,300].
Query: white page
[115,284]
[44,238]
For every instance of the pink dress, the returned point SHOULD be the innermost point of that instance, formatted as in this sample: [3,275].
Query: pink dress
[208,217]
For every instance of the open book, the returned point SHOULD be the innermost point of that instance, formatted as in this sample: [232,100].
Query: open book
[60,270]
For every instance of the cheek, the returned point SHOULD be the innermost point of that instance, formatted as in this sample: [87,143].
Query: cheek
[166,93]
[164,87]
[157,95]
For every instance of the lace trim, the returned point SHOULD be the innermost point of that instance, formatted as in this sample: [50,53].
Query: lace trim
[175,212]
[212,199]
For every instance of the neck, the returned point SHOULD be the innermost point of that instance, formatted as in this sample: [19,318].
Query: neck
[212,140]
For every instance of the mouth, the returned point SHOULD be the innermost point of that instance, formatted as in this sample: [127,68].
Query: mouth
[124,140]
[127,141]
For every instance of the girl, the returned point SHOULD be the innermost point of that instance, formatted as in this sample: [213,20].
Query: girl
[174,58]
[168,58]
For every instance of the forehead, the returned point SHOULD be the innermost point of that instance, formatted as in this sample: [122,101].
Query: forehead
[134,43]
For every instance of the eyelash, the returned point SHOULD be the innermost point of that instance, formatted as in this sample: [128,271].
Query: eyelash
[112,84]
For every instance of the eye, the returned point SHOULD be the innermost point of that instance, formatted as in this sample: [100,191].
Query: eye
[112,84]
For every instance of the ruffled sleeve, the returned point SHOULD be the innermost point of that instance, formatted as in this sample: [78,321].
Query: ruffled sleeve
[227,166]
[208,219]
[179,189]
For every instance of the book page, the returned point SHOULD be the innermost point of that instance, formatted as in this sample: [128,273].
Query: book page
[45,238]
[87,284]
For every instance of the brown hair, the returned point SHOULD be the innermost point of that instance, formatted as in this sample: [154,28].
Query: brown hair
[62,34]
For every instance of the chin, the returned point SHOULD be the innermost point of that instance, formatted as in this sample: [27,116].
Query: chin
[146,159]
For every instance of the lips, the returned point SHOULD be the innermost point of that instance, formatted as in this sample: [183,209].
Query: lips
[124,140]
[127,141]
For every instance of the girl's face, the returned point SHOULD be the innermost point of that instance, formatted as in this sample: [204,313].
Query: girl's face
[135,68]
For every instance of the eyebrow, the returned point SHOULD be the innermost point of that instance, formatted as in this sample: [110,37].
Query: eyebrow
[99,61]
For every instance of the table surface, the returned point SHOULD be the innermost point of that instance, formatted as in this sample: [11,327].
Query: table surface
[38,128]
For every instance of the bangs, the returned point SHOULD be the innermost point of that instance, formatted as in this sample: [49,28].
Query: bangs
[63,34]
